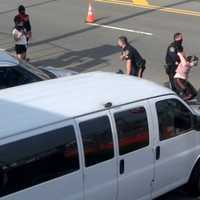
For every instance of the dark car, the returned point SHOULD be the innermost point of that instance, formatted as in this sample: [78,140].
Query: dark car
[15,72]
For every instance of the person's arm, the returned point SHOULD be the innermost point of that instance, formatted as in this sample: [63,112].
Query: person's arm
[184,54]
[17,35]
[28,28]
[122,57]
[140,72]
[128,66]
[128,58]
[180,84]
[28,23]
[182,59]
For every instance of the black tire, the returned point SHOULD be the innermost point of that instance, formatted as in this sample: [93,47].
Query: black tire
[193,186]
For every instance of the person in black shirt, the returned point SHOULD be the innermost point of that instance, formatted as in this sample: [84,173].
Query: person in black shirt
[135,64]
[25,19]
[172,59]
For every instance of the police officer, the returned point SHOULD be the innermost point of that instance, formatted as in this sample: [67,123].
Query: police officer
[25,20]
[135,64]
[172,59]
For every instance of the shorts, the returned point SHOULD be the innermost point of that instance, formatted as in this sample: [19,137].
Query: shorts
[19,48]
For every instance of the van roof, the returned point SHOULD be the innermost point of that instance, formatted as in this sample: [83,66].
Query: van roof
[35,105]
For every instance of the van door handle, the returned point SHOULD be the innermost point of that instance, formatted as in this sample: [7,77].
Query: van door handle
[157,152]
[121,166]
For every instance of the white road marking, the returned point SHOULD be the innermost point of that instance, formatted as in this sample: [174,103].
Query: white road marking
[121,29]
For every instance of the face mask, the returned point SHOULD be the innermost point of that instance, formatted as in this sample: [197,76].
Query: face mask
[22,12]
[179,45]
[179,42]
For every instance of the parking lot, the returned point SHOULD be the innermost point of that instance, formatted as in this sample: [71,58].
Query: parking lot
[61,38]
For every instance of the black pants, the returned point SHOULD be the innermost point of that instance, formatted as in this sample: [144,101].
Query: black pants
[171,70]
[142,67]
[188,93]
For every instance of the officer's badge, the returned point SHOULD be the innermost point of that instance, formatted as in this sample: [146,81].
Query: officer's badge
[172,49]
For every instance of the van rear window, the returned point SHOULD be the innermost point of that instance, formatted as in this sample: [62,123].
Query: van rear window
[37,159]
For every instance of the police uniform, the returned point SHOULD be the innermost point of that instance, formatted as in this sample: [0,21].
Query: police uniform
[171,62]
[137,62]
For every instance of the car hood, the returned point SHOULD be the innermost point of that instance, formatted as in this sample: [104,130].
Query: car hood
[196,108]
[58,72]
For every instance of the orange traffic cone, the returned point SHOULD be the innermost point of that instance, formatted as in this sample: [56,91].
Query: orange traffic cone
[90,16]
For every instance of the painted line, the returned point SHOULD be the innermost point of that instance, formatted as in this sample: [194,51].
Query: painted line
[121,29]
[141,2]
[126,3]
[152,7]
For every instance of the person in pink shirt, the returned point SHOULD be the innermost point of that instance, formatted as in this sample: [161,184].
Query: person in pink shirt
[183,86]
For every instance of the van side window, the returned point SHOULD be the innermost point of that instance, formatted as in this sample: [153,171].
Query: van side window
[174,118]
[37,159]
[97,140]
[132,130]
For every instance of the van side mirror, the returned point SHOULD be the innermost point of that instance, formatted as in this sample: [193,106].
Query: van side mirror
[197,122]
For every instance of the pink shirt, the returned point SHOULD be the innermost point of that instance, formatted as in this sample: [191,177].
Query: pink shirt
[183,68]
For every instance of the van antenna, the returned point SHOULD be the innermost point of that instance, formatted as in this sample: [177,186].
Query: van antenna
[108,105]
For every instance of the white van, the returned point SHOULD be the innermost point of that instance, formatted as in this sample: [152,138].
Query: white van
[96,136]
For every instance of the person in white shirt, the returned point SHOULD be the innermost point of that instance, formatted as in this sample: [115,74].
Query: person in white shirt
[20,39]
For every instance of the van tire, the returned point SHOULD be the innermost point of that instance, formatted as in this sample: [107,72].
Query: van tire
[193,186]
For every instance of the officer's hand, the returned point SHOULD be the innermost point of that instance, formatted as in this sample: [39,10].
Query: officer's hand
[122,57]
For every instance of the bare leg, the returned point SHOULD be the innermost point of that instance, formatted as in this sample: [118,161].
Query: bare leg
[23,55]
[19,56]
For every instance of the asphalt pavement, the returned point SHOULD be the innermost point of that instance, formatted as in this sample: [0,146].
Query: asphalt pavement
[61,37]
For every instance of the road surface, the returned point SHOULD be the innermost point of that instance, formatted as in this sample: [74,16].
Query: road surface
[61,37]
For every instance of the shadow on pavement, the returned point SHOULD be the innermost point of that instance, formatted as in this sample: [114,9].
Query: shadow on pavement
[176,4]
[177,194]
[81,60]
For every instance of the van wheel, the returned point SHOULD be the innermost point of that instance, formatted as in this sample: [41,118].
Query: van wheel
[193,186]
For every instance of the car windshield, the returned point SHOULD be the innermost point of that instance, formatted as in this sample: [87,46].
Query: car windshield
[23,73]
[34,70]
